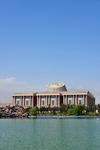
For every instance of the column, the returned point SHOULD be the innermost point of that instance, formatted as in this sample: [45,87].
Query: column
[66,100]
[55,100]
[63,99]
[49,103]
[39,100]
[76,100]
[58,100]
[46,100]
[32,101]
[86,100]
[23,101]
[29,101]
[73,100]
[83,100]
[13,100]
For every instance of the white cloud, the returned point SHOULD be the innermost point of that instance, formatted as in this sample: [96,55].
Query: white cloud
[10,81]
[11,85]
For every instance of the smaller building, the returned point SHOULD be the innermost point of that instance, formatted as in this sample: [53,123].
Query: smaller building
[56,94]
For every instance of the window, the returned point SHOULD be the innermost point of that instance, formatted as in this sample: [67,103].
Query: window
[26,99]
[80,96]
[70,102]
[69,99]
[43,100]
[80,101]
[69,96]
[52,100]
[26,102]
[18,100]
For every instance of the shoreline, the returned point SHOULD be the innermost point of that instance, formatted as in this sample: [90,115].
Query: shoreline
[50,117]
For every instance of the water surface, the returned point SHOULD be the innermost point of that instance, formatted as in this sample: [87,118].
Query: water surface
[49,134]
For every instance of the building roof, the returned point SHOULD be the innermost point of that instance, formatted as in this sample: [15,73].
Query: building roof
[54,93]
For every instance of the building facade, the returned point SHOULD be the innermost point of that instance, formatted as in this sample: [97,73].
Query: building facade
[56,94]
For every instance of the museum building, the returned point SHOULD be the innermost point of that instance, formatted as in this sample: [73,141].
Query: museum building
[56,94]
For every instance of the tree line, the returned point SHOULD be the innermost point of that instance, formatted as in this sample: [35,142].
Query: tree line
[64,110]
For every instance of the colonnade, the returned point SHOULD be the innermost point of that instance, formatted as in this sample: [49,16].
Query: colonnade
[22,101]
[48,101]
[58,99]
[75,99]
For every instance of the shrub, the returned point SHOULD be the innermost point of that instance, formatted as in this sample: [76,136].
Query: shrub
[71,111]
[42,109]
[78,109]
[1,113]
[33,111]
[27,109]
[96,114]
[91,114]
[64,108]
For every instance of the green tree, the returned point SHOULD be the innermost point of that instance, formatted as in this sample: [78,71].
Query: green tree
[98,105]
[95,107]
[78,109]
[33,111]
[42,109]
[26,110]
[64,107]
[71,111]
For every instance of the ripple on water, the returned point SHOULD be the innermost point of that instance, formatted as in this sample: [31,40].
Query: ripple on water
[49,134]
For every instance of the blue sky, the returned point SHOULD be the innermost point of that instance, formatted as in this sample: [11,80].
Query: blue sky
[43,41]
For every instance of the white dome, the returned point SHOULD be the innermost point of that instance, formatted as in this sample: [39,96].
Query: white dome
[56,86]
